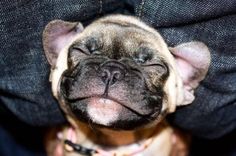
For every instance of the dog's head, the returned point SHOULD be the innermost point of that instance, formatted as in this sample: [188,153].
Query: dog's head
[119,73]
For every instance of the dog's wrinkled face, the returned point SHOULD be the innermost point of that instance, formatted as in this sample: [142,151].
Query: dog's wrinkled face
[110,83]
[115,72]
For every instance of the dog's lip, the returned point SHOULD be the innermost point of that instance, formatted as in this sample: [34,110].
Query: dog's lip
[90,97]
[105,97]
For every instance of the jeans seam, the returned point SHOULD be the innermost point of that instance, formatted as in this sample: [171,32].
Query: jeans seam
[100,6]
[140,11]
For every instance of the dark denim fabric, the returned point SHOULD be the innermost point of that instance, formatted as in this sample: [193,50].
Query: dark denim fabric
[224,146]
[19,139]
[24,86]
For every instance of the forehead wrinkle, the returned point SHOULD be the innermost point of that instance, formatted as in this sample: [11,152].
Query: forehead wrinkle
[116,46]
[124,25]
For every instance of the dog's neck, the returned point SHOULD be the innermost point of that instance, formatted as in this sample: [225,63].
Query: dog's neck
[114,138]
[120,141]
[108,137]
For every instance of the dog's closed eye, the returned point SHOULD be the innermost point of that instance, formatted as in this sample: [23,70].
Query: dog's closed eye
[94,45]
[142,55]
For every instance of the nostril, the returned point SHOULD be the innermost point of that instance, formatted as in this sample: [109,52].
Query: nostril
[105,75]
[117,75]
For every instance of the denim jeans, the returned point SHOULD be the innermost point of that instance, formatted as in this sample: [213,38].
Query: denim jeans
[24,86]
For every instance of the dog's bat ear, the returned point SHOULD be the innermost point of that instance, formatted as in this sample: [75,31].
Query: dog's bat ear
[56,35]
[192,60]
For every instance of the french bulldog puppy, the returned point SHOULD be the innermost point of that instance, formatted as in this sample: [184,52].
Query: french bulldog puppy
[116,80]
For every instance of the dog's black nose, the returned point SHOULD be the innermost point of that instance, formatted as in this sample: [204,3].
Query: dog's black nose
[112,72]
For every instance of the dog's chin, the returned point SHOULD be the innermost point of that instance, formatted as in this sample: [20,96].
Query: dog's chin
[107,113]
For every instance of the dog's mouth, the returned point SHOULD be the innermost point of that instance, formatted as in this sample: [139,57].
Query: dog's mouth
[108,112]
[104,111]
